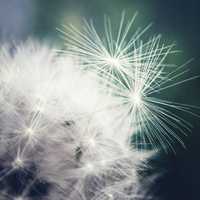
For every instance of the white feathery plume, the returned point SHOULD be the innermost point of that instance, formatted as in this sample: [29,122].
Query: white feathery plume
[110,54]
[134,73]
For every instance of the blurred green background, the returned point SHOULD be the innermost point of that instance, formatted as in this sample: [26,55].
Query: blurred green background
[176,20]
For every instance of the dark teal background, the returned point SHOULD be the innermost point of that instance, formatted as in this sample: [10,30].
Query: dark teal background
[176,20]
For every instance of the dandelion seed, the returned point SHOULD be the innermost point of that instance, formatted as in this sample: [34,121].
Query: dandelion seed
[110,196]
[18,162]
[136,99]
[132,72]
[29,132]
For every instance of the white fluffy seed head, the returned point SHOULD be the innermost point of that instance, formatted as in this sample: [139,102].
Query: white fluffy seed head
[74,120]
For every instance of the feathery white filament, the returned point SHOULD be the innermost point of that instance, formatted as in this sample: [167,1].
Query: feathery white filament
[133,72]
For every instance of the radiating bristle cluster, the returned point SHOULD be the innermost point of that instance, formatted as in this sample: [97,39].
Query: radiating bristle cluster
[67,122]
[134,73]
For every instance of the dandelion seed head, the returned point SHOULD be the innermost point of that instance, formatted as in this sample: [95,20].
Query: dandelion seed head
[115,62]
[136,99]
[29,132]
[18,162]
